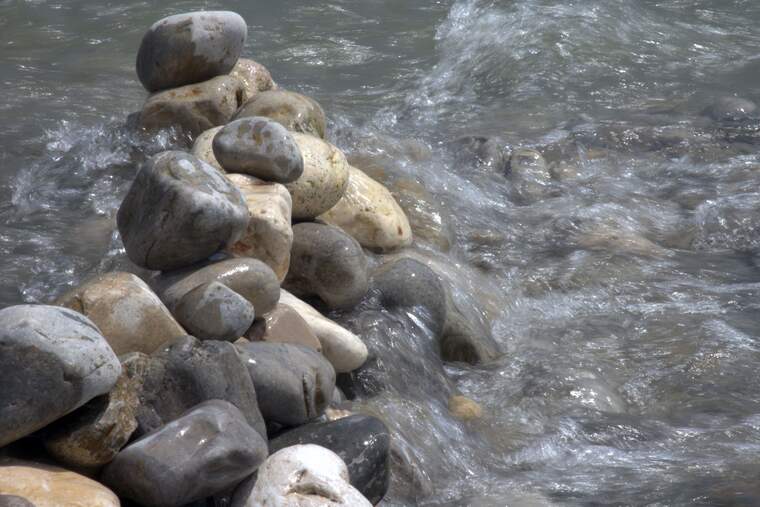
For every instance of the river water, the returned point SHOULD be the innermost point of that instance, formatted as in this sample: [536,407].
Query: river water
[625,294]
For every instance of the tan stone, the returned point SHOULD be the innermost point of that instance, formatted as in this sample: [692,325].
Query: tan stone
[255,77]
[269,235]
[368,212]
[293,111]
[129,315]
[324,179]
[203,149]
[284,325]
[464,408]
[194,108]
[48,486]
[427,218]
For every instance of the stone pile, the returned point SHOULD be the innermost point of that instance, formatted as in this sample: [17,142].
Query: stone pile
[210,377]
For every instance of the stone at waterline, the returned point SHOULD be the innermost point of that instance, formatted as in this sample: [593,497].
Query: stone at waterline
[250,278]
[49,486]
[53,361]
[464,408]
[328,263]
[293,383]
[284,325]
[427,217]
[731,109]
[195,108]
[489,152]
[341,347]
[260,147]
[212,311]
[269,235]
[203,147]
[293,111]
[188,372]
[304,475]
[178,211]
[369,213]
[529,174]
[128,314]
[206,450]
[362,442]
[93,435]
[324,179]
[254,76]
[189,48]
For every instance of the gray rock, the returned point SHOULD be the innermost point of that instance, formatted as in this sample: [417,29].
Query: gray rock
[731,109]
[488,152]
[206,450]
[178,211]
[193,109]
[94,434]
[529,174]
[409,284]
[212,311]
[260,147]
[14,501]
[362,442]
[294,383]
[190,48]
[250,278]
[293,111]
[53,361]
[188,372]
[328,263]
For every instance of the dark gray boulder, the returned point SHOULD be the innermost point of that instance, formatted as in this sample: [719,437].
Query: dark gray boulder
[53,361]
[190,48]
[362,442]
[178,211]
[260,147]
[213,311]
[294,383]
[206,450]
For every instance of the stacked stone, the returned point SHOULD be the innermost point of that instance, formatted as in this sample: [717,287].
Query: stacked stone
[175,389]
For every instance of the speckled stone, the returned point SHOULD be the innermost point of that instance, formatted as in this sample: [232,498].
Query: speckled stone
[206,450]
[14,501]
[324,179]
[190,48]
[260,147]
[328,263]
[212,311]
[254,76]
[293,111]
[178,211]
[53,361]
[203,147]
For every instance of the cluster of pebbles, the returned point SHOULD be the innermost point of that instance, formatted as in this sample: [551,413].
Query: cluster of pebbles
[211,378]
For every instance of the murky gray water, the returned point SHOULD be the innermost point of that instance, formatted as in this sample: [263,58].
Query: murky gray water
[626,294]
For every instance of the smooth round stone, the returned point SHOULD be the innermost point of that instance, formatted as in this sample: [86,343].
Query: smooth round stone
[48,486]
[250,278]
[53,361]
[341,347]
[369,213]
[254,76]
[328,263]
[128,314]
[93,435]
[284,325]
[294,384]
[464,408]
[428,218]
[203,148]
[731,109]
[206,450]
[179,211]
[293,111]
[212,311]
[190,48]
[324,179]
[14,501]
[304,476]
[362,442]
[189,372]
[260,147]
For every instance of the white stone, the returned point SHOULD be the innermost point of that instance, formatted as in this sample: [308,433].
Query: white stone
[304,476]
[345,351]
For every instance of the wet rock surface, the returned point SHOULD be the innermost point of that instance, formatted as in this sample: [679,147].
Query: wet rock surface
[293,111]
[212,311]
[255,77]
[284,325]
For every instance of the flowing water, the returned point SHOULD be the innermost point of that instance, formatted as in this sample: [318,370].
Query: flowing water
[625,292]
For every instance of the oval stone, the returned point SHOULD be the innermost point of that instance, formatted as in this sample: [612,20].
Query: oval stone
[190,48]
[293,111]
[260,147]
